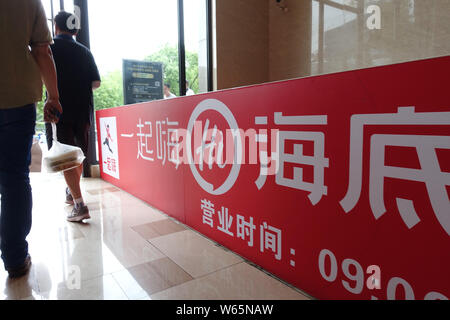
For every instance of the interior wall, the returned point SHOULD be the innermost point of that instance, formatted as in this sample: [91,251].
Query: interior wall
[289,40]
[409,30]
[242,42]
[258,42]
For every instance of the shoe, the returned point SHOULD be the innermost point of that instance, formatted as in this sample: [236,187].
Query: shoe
[69,198]
[78,214]
[21,270]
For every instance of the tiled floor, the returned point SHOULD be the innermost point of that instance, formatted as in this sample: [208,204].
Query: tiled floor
[128,250]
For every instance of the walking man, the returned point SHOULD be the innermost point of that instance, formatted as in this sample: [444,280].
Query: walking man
[78,76]
[25,58]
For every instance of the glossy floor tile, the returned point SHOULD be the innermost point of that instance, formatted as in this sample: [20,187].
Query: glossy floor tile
[54,261]
[17,289]
[101,288]
[158,228]
[240,282]
[127,250]
[102,190]
[112,219]
[141,281]
[194,253]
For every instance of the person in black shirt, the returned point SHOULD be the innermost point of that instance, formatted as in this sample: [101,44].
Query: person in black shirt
[78,76]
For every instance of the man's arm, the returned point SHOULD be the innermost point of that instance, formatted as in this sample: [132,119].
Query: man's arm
[93,72]
[96,84]
[42,54]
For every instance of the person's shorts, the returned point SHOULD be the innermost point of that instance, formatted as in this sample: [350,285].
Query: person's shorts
[74,134]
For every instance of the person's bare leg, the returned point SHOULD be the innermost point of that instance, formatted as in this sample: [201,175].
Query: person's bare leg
[72,178]
[80,211]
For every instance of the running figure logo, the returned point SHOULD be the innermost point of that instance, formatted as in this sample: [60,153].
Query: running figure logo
[108,138]
[109,146]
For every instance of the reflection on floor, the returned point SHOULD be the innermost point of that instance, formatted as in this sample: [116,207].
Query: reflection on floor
[128,250]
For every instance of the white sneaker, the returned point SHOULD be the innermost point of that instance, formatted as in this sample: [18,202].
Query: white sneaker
[79,214]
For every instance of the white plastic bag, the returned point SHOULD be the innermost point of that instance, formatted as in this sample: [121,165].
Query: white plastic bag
[62,157]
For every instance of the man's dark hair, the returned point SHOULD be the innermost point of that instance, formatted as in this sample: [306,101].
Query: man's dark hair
[61,20]
[167,85]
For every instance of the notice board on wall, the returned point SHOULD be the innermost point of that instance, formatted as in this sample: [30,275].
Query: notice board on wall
[142,81]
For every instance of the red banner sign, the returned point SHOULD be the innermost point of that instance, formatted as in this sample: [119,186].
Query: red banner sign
[338,184]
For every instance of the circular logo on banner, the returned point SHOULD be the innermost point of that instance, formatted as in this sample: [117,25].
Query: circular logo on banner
[222,109]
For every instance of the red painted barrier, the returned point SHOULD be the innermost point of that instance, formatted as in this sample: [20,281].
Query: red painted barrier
[338,184]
